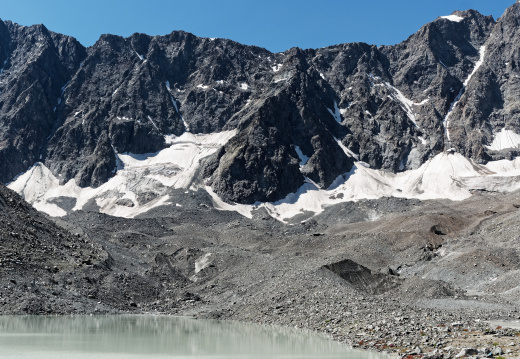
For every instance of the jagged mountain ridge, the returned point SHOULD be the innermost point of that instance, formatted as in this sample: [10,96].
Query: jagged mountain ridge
[386,106]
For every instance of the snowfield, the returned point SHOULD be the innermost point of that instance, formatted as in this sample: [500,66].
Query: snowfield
[447,175]
[173,167]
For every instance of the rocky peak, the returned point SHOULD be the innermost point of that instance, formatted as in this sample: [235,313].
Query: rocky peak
[298,114]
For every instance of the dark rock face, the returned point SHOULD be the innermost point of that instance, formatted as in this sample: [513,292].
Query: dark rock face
[490,101]
[36,63]
[74,108]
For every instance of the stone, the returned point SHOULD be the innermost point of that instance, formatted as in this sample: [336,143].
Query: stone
[466,352]
[497,351]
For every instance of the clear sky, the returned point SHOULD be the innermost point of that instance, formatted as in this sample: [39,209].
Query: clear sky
[274,24]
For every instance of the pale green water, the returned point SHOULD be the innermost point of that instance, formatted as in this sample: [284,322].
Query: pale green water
[114,337]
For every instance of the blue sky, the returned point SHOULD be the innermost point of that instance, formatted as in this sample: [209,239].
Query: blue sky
[276,25]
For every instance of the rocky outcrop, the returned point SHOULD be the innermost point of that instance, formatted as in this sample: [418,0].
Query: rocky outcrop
[298,114]
[35,65]
[489,103]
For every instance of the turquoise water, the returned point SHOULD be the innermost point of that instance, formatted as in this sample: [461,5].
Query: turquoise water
[147,336]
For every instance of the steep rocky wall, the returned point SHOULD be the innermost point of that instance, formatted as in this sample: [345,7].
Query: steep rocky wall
[453,84]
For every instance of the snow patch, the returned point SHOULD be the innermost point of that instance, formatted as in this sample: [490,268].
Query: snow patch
[303,158]
[283,77]
[446,122]
[174,102]
[454,18]
[405,102]
[346,150]
[244,209]
[244,86]
[482,52]
[153,123]
[172,168]
[505,139]
[276,67]
[337,112]
[443,176]
[203,262]
[3,67]
[201,86]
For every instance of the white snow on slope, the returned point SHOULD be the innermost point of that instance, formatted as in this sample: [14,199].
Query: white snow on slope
[174,102]
[336,113]
[397,95]
[450,176]
[303,158]
[244,209]
[407,103]
[281,78]
[171,168]
[153,123]
[505,139]
[447,175]
[505,177]
[479,63]
[346,150]
[446,122]
[454,18]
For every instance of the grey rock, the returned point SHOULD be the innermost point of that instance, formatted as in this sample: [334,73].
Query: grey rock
[74,108]
[497,351]
[466,352]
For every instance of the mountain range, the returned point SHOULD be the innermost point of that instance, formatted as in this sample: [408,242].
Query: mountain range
[121,125]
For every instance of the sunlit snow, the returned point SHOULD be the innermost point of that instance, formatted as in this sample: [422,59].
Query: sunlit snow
[454,18]
[336,113]
[174,102]
[346,150]
[447,175]
[407,104]
[173,167]
[303,158]
[505,139]
[446,121]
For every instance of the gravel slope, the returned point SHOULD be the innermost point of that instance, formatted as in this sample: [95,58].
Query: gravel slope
[393,275]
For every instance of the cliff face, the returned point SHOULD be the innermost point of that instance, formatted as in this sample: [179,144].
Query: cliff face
[36,64]
[298,114]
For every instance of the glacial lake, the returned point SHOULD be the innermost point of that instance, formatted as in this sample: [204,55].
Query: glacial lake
[147,336]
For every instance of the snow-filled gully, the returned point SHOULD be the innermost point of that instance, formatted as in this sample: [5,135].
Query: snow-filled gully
[446,122]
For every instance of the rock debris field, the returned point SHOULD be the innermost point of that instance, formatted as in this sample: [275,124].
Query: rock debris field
[434,279]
